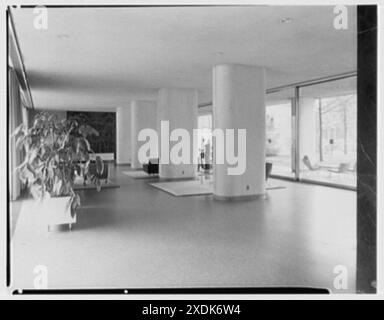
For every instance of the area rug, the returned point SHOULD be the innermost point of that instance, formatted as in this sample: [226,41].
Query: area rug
[272,187]
[184,188]
[139,174]
[193,187]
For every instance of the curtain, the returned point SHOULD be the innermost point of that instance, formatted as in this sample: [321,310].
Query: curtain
[15,119]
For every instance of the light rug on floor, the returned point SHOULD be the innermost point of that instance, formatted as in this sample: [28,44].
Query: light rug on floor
[193,187]
[184,188]
[139,174]
[272,187]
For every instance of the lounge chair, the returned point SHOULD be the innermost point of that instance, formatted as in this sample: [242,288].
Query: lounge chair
[343,168]
[309,165]
[353,169]
[268,170]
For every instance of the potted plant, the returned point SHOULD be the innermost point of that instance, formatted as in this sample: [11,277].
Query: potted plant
[54,150]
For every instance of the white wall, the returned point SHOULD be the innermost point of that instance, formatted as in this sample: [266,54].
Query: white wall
[143,115]
[178,106]
[205,109]
[123,135]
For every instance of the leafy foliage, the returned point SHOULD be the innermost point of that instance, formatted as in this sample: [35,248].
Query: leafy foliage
[104,123]
[53,151]
[97,175]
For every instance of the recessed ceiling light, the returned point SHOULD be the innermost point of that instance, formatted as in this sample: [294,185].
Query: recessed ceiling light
[63,36]
[285,20]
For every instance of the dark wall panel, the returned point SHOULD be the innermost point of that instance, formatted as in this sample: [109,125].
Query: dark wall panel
[104,123]
[366,149]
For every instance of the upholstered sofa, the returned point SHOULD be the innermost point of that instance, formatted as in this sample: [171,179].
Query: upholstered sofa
[152,167]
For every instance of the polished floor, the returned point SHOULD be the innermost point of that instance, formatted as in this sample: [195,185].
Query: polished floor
[139,236]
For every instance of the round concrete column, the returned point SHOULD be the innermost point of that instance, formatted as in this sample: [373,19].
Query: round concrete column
[143,116]
[178,108]
[123,135]
[239,103]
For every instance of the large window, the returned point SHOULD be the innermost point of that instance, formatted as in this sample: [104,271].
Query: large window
[311,132]
[204,124]
[332,159]
[279,133]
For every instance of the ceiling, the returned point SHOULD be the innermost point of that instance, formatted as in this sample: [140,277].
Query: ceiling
[102,58]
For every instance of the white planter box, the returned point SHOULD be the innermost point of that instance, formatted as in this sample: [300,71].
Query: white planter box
[57,211]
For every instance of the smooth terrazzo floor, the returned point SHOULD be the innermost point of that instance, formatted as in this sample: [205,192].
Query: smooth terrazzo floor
[139,236]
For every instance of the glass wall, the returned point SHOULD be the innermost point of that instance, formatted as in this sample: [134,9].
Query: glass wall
[311,132]
[279,137]
[328,132]
[204,124]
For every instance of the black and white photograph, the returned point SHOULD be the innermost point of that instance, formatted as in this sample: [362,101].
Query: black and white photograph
[197,149]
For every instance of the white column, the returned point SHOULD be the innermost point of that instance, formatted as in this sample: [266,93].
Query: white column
[239,103]
[307,128]
[143,115]
[179,107]
[123,135]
